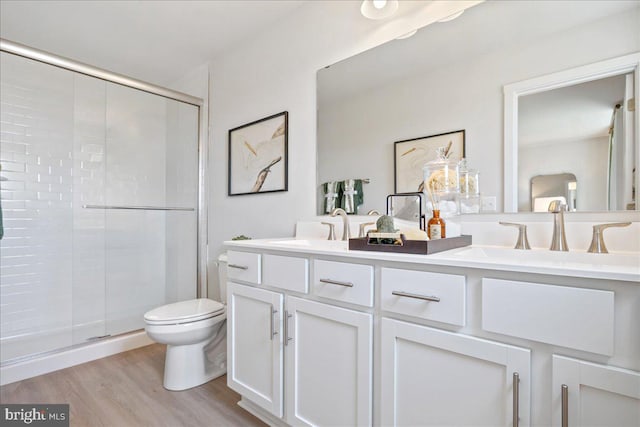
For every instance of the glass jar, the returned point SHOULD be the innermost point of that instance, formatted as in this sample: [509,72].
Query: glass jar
[442,186]
[469,200]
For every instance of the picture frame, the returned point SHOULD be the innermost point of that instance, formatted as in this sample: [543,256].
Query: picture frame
[258,156]
[410,156]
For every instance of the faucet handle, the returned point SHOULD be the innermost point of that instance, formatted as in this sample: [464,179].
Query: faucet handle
[363,226]
[597,241]
[522,242]
[332,230]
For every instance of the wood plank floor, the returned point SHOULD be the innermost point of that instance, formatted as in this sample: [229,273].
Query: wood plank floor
[125,390]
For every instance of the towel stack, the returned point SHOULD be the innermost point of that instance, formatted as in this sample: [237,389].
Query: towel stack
[346,194]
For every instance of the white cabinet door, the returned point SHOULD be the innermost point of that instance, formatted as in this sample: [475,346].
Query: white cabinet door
[329,365]
[595,395]
[254,348]
[432,377]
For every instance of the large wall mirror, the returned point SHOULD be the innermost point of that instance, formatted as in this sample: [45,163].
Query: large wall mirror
[452,76]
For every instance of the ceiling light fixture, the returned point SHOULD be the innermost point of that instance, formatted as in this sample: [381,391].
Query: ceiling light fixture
[451,17]
[378,9]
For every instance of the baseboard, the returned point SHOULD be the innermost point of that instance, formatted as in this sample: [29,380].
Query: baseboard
[74,356]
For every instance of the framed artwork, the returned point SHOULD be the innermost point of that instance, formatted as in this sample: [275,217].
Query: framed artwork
[258,156]
[411,155]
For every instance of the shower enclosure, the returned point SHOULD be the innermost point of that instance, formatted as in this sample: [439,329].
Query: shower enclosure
[101,202]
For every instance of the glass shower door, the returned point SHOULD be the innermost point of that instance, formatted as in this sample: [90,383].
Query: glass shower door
[99,194]
[151,200]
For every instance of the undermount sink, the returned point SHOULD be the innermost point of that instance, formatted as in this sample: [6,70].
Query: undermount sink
[310,243]
[548,258]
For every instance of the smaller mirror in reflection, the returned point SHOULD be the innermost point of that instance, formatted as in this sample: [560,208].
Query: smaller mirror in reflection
[547,188]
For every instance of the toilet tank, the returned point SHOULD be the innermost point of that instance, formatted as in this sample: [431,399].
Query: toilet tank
[222,277]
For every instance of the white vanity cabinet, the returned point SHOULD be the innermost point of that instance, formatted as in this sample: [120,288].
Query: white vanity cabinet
[347,338]
[254,348]
[328,365]
[431,377]
[590,394]
[323,352]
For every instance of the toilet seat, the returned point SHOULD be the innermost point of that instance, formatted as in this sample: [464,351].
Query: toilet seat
[184,312]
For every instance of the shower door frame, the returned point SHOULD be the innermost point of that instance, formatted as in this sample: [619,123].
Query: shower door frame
[89,70]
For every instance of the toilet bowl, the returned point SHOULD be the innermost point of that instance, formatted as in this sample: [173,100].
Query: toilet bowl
[195,333]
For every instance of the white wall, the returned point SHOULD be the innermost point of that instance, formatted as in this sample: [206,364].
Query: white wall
[466,95]
[277,72]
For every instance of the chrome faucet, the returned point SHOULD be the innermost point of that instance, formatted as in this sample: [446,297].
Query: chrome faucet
[597,241]
[559,238]
[346,232]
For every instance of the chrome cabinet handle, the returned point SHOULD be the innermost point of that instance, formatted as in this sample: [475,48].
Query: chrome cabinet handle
[336,282]
[240,267]
[431,298]
[516,399]
[565,405]
[273,315]
[287,316]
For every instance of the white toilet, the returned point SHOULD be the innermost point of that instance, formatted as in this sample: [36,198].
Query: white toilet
[195,332]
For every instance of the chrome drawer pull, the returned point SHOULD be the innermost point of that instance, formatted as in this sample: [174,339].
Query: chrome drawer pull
[241,267]
[565,405]
[273,331]
[416,296]
[516,399]
[287,316]
[336,282]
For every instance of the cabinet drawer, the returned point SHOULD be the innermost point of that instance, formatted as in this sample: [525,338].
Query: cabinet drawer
[285,272]
[566,316]
[343,281]
[243,266]
[433,296]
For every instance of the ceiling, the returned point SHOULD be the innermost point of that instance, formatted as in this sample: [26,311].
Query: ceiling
[482,29]
[154,41]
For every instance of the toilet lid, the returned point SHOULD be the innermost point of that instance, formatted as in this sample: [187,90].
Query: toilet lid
[184,311]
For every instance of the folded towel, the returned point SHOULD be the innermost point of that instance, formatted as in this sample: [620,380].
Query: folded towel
[352,195]
[331,191]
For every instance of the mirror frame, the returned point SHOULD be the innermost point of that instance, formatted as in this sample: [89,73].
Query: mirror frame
[512,93]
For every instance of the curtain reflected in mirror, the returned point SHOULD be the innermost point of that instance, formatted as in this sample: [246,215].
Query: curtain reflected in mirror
[621,168]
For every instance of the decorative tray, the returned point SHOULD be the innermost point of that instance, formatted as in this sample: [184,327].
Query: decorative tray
[423,247]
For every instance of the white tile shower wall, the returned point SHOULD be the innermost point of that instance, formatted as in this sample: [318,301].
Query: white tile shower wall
[36,145]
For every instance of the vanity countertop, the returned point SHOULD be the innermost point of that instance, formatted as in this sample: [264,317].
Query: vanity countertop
[624,266]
